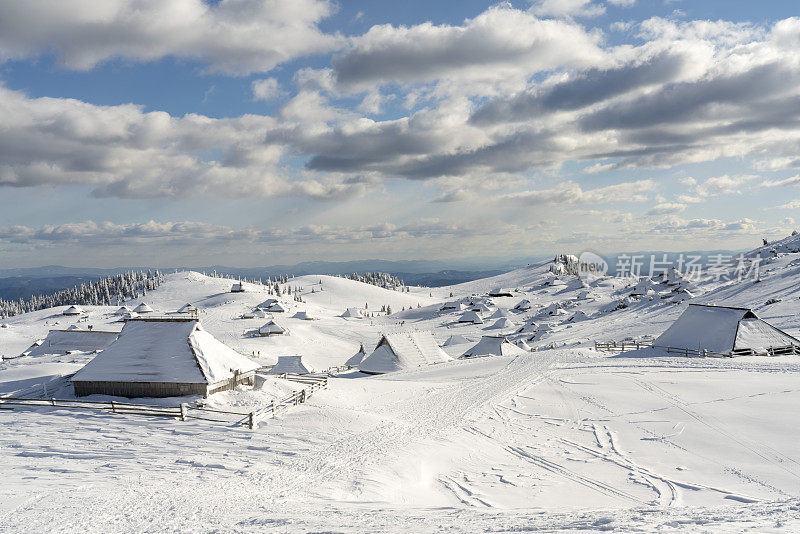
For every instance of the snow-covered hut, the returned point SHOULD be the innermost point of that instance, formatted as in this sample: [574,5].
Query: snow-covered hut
[122,310]
[267,303]
[470,317]
[399,351]
[60,342]
[725,330]
[237,287]
[143,308]
[187,308]
[480,307]
[304,315]
[499,313]
[276,308]
[271,329]
[642,287]
[493,346]
[296,365]
[523,305]
[356,359]
[501,323]
[164,359]
[456,339]
[500,292]
[578,316]
[352,313]
[73,310]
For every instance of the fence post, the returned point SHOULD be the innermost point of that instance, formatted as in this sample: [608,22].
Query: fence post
[251,420]
[183,411]
[113,408]
[52,402]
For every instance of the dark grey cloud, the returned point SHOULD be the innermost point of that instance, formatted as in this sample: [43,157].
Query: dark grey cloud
[591,87]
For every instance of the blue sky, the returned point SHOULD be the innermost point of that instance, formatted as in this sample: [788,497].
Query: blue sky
[258,132]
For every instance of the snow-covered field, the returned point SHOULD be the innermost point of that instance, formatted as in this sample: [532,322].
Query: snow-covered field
[564,438]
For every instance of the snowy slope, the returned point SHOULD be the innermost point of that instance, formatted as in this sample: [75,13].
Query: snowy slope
[564,438]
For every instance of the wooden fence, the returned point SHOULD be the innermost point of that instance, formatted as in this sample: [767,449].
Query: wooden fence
[313,383]
[110,406]
[622,346]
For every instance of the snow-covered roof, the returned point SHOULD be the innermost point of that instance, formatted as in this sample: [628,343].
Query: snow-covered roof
[500,292]
[122,310]
[481,308]
[722,329]
[353,312]
[73,310]
[304,315]
[524,346]
[187,308]
[503,322]
[271,328]
[579,315]
[456,339]
[400,351]
[499,314]
[470,317]
[277,308]
[267,303]
[523,305]
[356,358]
[62,341]
[143,308]
[291,364]
[493,346]
[165,351]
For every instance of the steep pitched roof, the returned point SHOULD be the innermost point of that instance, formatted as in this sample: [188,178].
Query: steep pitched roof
[168,351]
[493,346]
[400,351]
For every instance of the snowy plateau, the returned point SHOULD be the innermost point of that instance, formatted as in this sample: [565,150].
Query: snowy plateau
[549,434]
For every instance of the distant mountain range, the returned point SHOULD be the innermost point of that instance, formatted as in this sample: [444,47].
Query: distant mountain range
[24,282]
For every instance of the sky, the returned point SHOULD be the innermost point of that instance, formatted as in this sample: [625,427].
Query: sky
[262,132]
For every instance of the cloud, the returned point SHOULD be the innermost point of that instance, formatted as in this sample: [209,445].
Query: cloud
[499,42]
[266,89]
[189,233]
[708,227]
[722,185]
[122,151]
[570,193]
[791,205]
[666,207]
[231,36]
[622,3]
[794,180]
[566,8]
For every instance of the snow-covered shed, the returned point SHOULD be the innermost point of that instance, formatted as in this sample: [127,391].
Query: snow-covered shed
[143,308]
[353,313]
[493,346]
[725,330]
[399,351]
[187,308]
[523,305]
[356,359]
[64,341]
[237,287]
[470,317]
[122,310]
[164,358]
[271,329]
[267,303]
[480,307]
[503,322]
[499,314]
[456,339]
[276,308]
[304,315]
[500,292]
[73,310]
[296,365]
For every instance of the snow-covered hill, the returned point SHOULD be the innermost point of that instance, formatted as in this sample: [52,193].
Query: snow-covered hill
[598,442]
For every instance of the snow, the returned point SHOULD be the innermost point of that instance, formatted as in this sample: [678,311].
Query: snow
[168,351]
[560,439]
[291,364]
[399,351]
[61,341]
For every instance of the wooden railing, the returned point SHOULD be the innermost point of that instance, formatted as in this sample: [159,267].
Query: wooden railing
[313,383]
[622,346]
[110,406]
